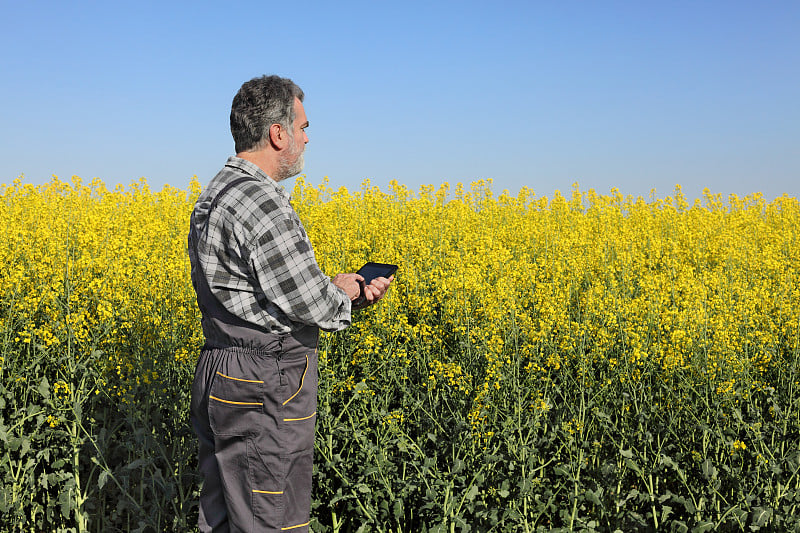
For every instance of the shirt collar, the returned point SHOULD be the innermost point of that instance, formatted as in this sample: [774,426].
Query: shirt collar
[255,171]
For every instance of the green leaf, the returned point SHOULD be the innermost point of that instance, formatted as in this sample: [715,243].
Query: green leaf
[761,516]
[592,497]
[66,503]
[688,504]
[472,492]
[709,470]
[462,525]
[667,461]
[703,526]
[630,463]
[26,446]
[44,388]
[102,479]
[138,463]
[679,526]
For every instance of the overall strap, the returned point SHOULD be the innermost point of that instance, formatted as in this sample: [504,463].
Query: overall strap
[227,187]
[220,326]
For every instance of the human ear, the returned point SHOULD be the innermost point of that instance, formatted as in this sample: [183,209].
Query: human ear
[277,136]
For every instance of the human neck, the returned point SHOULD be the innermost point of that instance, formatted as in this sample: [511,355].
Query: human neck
[263,160]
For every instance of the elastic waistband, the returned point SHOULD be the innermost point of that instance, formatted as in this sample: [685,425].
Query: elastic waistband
[264,342]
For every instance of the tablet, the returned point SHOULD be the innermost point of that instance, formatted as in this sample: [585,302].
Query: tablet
[372,270]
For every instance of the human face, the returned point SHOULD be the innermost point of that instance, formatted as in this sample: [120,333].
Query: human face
[291,164]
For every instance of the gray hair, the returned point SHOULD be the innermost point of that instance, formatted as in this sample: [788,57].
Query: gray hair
[260,103]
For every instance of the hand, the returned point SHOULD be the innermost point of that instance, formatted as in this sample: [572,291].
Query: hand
[349,283]
[375,290]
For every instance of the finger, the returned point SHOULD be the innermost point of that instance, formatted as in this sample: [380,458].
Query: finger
[375,290]
[356,288]
[374,294]
[381,283]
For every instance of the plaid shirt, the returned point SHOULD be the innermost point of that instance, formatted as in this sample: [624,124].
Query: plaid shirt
[257,258]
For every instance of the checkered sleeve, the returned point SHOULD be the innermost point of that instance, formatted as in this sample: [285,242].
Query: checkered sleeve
[283,262]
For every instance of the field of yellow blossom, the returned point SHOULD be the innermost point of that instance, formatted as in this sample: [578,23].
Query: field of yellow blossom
[589,362]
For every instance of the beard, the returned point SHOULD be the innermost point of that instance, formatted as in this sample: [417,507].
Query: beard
[291,164]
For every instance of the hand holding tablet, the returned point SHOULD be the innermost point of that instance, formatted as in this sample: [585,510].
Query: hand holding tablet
[372,270]
[369,272]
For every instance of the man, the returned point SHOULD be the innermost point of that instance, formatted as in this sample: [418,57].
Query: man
[263,300]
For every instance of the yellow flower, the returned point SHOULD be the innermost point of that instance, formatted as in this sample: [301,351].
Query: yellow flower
[493,290]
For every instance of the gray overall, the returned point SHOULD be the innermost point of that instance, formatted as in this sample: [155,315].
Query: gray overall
[254,402]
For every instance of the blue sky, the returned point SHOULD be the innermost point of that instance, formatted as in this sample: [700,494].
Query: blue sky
[633,95]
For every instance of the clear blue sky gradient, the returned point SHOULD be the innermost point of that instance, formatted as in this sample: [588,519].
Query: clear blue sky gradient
[633,95]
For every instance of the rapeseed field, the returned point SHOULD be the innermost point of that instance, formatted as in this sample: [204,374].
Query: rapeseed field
[579,362]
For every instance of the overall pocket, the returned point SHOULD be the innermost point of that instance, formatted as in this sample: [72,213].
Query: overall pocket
[299,403]
[235,405]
